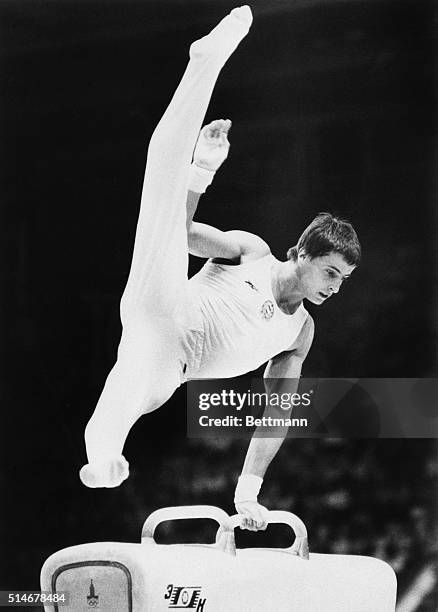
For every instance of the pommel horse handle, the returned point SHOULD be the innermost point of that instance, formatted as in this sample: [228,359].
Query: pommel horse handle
[224,536]
[300,547]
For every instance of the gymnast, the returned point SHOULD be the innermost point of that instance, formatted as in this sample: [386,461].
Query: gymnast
[243,309]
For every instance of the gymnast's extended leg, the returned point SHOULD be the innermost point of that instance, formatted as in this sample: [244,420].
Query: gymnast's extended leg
[150,357]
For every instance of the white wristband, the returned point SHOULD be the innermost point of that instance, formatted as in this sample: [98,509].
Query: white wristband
[248,487]
[200,178]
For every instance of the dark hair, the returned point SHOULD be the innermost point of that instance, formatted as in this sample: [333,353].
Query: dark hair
[327,234]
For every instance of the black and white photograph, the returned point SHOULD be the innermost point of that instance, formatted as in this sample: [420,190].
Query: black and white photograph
[219,305]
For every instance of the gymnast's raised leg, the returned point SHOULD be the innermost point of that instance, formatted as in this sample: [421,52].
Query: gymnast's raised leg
[150,356]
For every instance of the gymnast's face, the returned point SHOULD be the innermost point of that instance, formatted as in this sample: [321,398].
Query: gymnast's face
[319,278]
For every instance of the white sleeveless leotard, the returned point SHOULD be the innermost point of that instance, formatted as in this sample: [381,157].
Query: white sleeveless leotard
[239,324]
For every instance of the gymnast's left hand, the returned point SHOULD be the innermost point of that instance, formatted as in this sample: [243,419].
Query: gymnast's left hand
[213,145]
[254,516]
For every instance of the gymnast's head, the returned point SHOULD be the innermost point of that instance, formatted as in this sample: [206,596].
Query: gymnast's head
[326,254]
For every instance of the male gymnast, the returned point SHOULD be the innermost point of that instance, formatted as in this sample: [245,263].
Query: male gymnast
[244,308]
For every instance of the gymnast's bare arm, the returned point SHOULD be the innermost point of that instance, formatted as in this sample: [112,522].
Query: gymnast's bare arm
[279,372]
[235,245]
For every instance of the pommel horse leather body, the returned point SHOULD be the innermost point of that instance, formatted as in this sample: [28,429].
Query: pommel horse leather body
[151,577]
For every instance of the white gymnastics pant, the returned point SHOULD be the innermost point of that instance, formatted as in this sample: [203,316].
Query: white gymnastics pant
[150,357]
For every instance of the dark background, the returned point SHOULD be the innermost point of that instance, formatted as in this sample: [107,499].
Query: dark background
[333,108]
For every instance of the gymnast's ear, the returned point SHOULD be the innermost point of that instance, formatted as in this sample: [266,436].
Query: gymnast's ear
[302,253]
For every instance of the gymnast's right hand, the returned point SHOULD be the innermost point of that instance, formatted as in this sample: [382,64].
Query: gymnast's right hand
[212,147]
[254,516]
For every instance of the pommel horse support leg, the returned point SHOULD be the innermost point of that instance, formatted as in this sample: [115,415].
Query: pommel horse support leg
[151,577]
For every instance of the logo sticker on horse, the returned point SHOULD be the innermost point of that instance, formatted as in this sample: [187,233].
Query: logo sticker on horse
[267,310]
[92,598]
[186,597]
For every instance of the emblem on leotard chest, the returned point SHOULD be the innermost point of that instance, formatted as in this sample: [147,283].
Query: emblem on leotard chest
[267,310]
